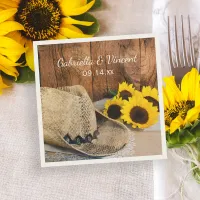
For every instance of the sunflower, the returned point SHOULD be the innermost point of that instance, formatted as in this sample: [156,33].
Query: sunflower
[2,85]
[10,50]
[151,95]
[113,108]
[139,112]
[47,19]
[182,105]
[125,91]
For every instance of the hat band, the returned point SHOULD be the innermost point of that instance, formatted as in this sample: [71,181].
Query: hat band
[80,140]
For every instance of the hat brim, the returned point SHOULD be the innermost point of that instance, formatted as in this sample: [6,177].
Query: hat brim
[112,137]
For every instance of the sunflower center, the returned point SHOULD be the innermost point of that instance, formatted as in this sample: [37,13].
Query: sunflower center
[41,18]
[152,100]
[179,109]
[139,115]
[125,95]
[114,111]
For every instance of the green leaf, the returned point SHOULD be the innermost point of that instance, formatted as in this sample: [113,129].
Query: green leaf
[180,138]
[91,30]
[196,173]
[196,131]
[96,5]
[114,93]
[174,145]
[188,125]
[186,137]
[198,144]
[173,139]
[197,122]
[25,75]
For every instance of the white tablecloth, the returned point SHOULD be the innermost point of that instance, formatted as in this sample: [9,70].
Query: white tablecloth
[21,176]
[169,173]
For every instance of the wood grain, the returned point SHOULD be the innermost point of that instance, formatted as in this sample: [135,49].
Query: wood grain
[148,63]
[102,78]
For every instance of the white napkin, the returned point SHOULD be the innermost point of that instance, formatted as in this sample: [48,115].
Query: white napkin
[168,173]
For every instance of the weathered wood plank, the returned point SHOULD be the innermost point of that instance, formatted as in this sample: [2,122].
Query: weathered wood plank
[148,63]
[53,76]
[99,78]
[99,81]
[113,80]
[131,71]
[46,67]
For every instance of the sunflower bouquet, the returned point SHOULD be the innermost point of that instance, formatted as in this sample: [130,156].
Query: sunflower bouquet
[140,109]
[22,22]
[182,116]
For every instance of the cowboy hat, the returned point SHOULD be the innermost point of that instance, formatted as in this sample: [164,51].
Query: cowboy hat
[71,121]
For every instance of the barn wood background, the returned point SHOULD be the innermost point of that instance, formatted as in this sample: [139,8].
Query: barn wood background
[141,73]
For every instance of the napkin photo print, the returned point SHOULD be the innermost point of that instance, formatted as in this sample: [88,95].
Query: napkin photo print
[99,100]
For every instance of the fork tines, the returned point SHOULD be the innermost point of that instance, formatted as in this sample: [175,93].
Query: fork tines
[180,65]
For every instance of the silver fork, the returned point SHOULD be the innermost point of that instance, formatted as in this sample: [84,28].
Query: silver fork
[181,65]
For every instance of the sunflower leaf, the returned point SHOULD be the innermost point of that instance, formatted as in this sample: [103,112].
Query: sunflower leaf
[198,144]
[188,125]
[197,122]
[173,139]
[170,146]
[96,5]
[90,30]
[112,92]
[186,137]
[25,75]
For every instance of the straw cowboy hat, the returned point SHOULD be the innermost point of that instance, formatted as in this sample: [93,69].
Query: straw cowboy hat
[70,120]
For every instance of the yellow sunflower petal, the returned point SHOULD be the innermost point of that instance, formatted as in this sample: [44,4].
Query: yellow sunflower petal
[16,35]
[167,128]
[176,124]
[2,85]
[172,91]
[165,98]
[8,4]
[9,26]
[60,37]
[154,93]
[184,86]
[11,71]
[71,4]
[73,28]
[192,115]
[73,33]
[12,54]
[9,43]
[69,20]
[6,14]
[146,90]
[6,62]
[69,11]
[29,55]
[197,98]
[193,83]
[190,80]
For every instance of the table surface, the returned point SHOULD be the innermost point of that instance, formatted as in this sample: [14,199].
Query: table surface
[22,177]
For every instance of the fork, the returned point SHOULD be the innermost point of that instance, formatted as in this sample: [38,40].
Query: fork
[182,64]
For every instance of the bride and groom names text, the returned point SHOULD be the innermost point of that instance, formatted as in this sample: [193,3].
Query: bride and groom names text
[87,61]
